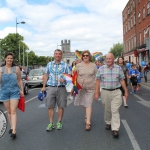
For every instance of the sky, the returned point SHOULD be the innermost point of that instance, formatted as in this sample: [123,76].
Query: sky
[93,25]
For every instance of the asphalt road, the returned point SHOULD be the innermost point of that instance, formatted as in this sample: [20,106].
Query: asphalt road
[32,134]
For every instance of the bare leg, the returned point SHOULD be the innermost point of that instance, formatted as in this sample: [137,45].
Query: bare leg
[7,107]
[51,114]
[88,115]
[13,108]
[60,113]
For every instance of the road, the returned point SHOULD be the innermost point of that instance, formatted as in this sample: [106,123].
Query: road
[32,134]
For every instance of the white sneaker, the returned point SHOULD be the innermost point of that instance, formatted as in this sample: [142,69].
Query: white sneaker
[71,97]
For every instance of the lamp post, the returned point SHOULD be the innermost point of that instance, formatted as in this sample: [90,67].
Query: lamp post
[58,45]
[17,39]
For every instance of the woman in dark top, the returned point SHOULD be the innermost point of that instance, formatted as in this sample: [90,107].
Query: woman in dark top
[122,64]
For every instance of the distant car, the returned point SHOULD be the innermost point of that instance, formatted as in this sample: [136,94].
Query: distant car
[25,82]
[35,77]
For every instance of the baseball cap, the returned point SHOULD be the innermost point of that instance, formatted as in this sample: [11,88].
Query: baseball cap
[42,95]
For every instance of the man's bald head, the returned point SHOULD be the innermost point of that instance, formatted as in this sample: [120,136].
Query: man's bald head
[110,55]
[110,59]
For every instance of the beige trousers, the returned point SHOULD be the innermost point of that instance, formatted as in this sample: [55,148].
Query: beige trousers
[112,101]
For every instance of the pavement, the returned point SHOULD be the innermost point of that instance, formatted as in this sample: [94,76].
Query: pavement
[146,84]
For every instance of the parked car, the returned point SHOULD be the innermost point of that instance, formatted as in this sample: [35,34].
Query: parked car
[35,77]
[25,82]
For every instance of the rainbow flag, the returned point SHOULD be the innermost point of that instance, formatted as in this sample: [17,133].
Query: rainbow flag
[96,55]
[76,86]
[67,77]
[78,56]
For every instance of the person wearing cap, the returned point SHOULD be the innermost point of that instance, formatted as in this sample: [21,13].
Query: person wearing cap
[110,78]
[56,90]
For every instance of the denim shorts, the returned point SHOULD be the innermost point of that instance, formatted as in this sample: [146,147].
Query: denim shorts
[10,94]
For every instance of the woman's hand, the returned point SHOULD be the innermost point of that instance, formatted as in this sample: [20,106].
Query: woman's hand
[21,93]
[96,96]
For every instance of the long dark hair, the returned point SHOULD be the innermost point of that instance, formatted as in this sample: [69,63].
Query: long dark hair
[7,54]
[122,59]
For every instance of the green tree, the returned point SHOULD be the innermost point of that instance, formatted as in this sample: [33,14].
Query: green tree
[12,43]
[117,49]
[32,58]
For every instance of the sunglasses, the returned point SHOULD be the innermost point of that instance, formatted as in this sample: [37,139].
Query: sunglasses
[85,55]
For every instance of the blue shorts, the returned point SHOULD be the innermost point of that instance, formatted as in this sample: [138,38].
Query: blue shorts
[10,94]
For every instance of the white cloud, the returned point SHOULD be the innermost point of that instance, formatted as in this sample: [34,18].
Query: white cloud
[96,27]
[6,15]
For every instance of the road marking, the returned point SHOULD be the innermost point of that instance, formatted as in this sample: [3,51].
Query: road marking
[34,89]
[131,136]
[25,102]
[143,102]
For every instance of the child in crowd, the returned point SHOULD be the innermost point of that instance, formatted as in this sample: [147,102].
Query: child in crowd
[133,73]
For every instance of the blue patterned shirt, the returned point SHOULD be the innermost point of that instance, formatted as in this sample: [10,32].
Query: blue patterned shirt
[55,72]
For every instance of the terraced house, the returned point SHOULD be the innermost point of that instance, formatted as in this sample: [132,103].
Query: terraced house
[136,31]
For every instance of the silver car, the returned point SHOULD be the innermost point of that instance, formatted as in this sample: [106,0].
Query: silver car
[35,77]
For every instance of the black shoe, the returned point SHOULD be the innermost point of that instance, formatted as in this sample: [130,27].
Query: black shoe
[115,134]
[108,127]
[126,106]
[13,136]
[10,131]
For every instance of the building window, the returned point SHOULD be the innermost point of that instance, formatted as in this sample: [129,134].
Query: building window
[148,8]
[140,39]
[139,16]
[144,35]
[129,25]
[134,20]
[129,44]
[128,11]
[143,13]
[126,28]
[131,7]
[133,3]
[138,1]
[134,41]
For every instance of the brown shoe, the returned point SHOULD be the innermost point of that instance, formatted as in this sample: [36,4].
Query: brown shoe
[88,127]
[108,127]
[115,134]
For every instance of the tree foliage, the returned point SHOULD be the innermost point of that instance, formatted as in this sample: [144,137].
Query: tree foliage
[117,49]
[13,43]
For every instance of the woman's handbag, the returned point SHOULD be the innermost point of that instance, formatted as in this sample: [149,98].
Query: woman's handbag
[21,104]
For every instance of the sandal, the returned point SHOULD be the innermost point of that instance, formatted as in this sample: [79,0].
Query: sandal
[88,127]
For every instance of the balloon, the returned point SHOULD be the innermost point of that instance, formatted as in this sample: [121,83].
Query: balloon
[128,65]
[143,63]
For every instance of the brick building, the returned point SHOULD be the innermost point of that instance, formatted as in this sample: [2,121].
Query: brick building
[136,31]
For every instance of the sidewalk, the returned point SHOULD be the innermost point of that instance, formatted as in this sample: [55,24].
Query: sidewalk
[146,84]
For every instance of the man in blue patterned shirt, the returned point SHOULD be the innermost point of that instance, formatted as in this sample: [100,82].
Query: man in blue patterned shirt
[56,91]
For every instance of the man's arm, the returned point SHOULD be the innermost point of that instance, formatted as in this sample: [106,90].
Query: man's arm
[97,89]
[44,81]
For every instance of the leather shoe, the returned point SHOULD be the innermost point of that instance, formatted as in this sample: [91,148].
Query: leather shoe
[108,127]
[115,134]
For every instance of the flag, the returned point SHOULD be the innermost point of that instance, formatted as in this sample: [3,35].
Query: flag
[67,77]
[76,86]
[78,56]
[96,55]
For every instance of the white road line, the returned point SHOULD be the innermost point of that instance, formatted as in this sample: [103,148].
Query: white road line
[26,101]
[34,89]
[142,101]
[131,136]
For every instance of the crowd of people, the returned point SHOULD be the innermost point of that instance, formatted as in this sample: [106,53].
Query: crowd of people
[107,80]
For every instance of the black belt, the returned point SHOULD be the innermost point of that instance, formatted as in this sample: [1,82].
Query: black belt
[111,89]
[58,86]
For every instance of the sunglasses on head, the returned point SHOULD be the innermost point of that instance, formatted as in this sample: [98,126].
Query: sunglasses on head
[85,55]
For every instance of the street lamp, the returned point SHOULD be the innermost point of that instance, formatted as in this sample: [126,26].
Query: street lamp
[58,45]
[17,39]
